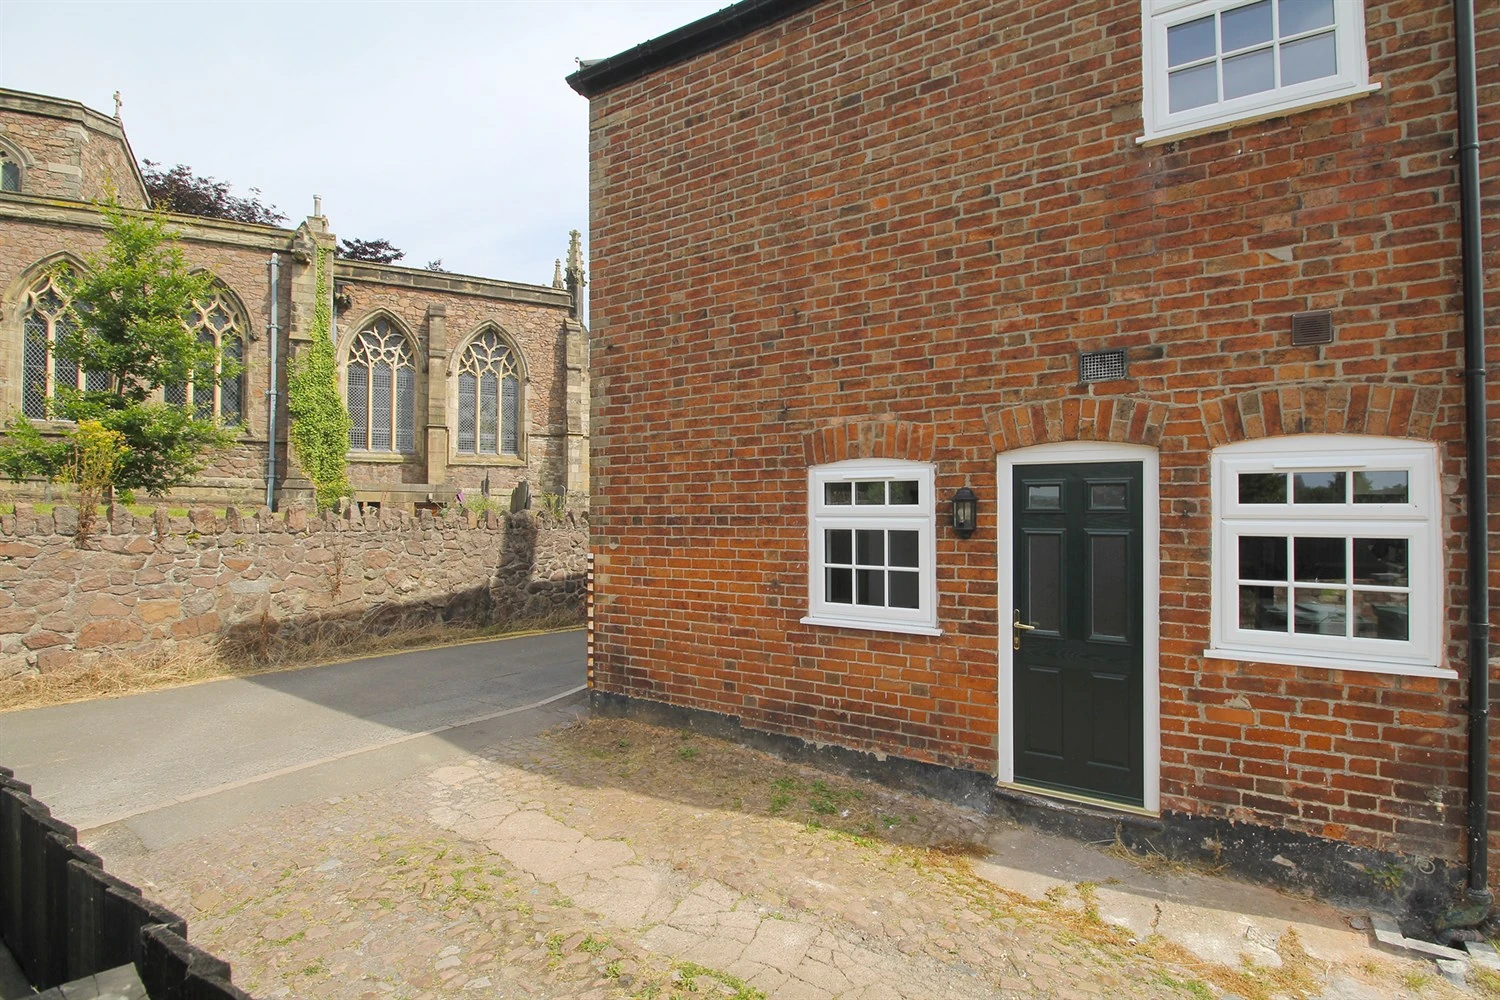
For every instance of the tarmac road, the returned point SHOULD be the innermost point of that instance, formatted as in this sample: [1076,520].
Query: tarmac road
[180,762]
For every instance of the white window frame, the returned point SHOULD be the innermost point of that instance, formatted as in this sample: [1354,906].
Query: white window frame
[920,517]
[1352,80]
[1419,521]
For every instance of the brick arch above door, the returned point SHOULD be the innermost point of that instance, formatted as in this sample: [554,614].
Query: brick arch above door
[1116,419]
[879,438]
[1402,411]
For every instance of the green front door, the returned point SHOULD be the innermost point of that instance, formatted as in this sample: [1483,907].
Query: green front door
[1076,629]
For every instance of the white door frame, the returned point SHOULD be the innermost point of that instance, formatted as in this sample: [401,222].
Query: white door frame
[1072,453]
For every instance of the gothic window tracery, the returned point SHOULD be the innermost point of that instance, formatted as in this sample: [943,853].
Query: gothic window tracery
[216,321]
[10,172]
[489,398]
[382,390]
[46,317]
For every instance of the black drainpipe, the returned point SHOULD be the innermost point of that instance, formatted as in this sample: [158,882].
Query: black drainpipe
[1476,432]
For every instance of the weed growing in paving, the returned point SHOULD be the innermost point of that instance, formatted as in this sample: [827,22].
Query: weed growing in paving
[691,971]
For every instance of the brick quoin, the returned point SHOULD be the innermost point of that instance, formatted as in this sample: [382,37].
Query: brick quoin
[887,231]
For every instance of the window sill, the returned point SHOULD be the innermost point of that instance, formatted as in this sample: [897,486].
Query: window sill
[1260,114]
[872,626]
[1291,659]
[382,457]
[493,461]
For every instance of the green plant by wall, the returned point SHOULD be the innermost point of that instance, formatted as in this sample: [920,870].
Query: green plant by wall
[319,423]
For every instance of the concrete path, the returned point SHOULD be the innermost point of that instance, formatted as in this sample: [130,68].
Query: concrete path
[172,751]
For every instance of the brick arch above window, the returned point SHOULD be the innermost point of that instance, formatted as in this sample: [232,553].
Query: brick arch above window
[887,438]
[1117,419]
[1398,411]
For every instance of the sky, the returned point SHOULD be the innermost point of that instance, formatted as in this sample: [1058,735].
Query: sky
[443,127]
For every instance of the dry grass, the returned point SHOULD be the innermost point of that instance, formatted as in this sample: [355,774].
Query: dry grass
[1153,862]
[263,652]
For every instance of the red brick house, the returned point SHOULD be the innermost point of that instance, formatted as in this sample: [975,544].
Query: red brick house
[1177,291]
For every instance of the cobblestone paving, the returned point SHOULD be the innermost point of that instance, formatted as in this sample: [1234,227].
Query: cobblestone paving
[611,859]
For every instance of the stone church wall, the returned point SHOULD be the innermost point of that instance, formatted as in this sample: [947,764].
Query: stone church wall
[68,151]
[148,585]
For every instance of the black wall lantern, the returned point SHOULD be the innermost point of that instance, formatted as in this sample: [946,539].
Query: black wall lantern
[965,512]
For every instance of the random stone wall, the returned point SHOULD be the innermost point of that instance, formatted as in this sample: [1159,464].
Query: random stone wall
[146,584]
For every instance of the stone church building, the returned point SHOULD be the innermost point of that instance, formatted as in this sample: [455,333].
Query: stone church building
[453,382]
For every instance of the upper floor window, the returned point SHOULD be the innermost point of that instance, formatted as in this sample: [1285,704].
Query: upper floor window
[1327,553]
[1210,63]
[46,319]
[216,322]
[382,390]
[10,172]
[871,546]
[489,398]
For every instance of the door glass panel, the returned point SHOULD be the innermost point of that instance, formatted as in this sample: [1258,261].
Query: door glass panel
[1110,586]
[903,548]
[1381,487]
[840,585]
[1108,496]
[1318,487]
[840,545]
[1262,557]
[869,547]
[838,494]
[903,492]
[870,586]
[904,591]
[1044,581]
[1320,560]
[1320,611]
[1381,616]
[1044,496]
[1380,561]
[869,493]
[1262,487]
[1263,609]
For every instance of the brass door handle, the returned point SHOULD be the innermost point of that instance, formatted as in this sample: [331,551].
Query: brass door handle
[1017,627]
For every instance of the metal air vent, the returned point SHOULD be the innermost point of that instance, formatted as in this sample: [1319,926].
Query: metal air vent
[1101,366]
[1312,328]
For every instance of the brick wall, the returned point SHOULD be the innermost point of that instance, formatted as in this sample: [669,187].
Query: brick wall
[886,231]
[144,585]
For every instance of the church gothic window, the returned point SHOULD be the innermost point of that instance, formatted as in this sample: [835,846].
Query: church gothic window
[216,321]
[10,172]
[46,318]
[489,398]
[382,390]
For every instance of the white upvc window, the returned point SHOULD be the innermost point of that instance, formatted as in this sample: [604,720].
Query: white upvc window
[1207,64]
[870,546]
[1327,553]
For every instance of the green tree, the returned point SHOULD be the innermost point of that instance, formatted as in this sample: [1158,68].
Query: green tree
[128,331]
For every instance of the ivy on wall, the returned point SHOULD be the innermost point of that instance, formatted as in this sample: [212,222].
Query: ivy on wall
[319,423]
